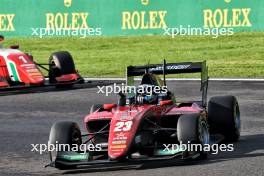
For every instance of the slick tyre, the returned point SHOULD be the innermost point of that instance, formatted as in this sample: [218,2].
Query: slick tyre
[193,129]
[224,117]
[60,63]
[64,132]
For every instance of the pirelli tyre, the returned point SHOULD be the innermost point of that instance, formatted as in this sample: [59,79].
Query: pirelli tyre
[193,129]
[224,117]
[60,63]
[65,132]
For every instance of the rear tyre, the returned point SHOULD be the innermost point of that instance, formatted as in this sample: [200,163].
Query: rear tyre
[60,63]
[224,117]
[193,129]
[95,107]
[64,132]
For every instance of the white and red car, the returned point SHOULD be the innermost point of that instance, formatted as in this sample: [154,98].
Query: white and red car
[18,69]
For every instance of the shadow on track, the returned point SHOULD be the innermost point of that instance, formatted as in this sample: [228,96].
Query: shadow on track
[247,147]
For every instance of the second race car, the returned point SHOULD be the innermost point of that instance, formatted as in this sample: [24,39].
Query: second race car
[19,70]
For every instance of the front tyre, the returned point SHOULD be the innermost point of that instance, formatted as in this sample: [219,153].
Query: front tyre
[60,63]
[65,132]
[193,129]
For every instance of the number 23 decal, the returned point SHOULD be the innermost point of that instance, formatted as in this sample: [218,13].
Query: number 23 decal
[123,126]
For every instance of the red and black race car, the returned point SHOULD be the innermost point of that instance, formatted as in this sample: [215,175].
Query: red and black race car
[19,70]
[143,124]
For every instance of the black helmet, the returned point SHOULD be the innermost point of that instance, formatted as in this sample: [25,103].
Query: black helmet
[146,94]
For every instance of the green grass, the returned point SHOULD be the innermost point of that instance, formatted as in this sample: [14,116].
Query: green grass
[240,55]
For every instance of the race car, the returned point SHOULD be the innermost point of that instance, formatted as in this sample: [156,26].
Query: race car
[143,124]
[19,70]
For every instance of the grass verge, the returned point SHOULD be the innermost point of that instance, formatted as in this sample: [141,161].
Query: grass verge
[240,55]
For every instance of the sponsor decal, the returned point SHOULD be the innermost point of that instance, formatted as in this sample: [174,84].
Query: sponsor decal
[119,142]
[116,150]
[120,136]
[158,109]
[74,157]
[103,117]
[184,112]
[172,67]
[168,152]
[67,3]
[67,20]
[32,70]
[227,18]
[145,2]
[118,146]
[117,153]
[36,74]
[144,19]
[133,111]
[29,66]
[72,21]
[6,22]
[124,116]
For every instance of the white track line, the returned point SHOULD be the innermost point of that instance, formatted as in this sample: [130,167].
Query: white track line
[182,79]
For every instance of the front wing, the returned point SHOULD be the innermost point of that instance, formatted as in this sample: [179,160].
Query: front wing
[70,160]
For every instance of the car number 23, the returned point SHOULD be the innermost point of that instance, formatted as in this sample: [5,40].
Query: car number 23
[123,126]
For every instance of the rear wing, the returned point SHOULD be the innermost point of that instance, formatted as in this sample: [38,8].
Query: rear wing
[172,68]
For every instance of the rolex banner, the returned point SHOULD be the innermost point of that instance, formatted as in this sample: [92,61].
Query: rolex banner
[126,17]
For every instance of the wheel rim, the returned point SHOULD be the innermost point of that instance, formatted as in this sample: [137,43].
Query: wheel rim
[76,137]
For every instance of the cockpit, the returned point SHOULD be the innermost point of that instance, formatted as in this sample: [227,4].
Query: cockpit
[151,90]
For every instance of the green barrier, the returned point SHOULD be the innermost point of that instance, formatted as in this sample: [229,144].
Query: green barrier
[127,17]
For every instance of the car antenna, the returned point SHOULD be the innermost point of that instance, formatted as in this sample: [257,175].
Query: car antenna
[148,61]
[164,72]
[146,70]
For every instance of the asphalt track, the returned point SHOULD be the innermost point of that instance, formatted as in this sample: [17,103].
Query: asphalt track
[26,119]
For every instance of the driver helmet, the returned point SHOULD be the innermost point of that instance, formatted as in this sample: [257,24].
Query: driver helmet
[146,94]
